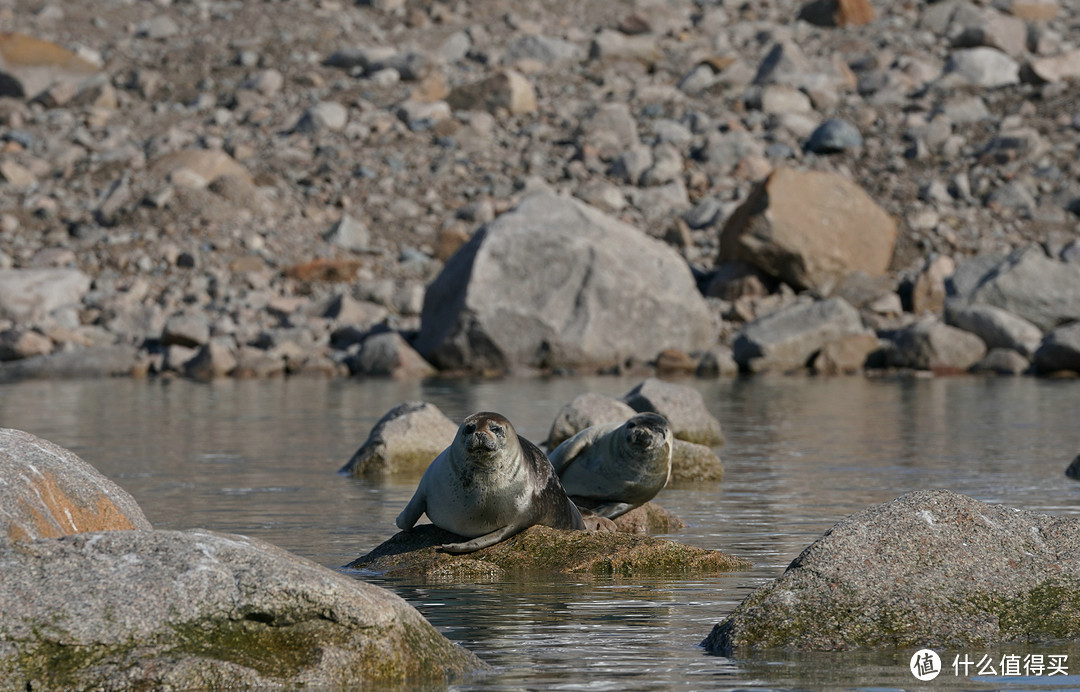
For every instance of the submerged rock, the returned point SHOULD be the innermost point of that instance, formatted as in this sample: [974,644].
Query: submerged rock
[47,491]
[539,549]
[198,609]
[929,569]
[406,439]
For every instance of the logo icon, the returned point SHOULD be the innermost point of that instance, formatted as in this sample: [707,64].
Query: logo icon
[925,665]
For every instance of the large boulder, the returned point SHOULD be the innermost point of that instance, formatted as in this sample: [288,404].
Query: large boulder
[809,229]
[198,609]
[788,338]
[556,282]
[933,345]
[930,569]
[31,294]
[405,440]
[86,363]
[1042,290]
[682,406]
[47,491]
[541,550]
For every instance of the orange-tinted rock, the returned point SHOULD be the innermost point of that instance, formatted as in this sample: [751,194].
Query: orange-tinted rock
[30,66]
[46,492]
[810,229]
[334,271]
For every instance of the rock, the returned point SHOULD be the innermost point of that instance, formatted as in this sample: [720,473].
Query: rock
[929,344]
[1027,283]
[929,569]
[694,463]
[584,411]
[846,355]
[809,229]
[1057,68]
[405,440]
[682,406]
[16,344]
[199,166]
[997,328]
[158,28]
[929,292]
[788,338]
[1034,10]
[388,354]
[989,28]
[47,491]
[92,362]
[186,329]
[214,360]
[718,361]
[609,131]
[837,12]
[30,66]
[328,116]
[1002,361]
[647,519]
[558,283]
[542,49]
[506,90]
[834,136]
[1073,470]
[1060,350]
[350,234]
[28,295]
[614,46]
[199,609]
[16,175]
[983,67]
[541,550]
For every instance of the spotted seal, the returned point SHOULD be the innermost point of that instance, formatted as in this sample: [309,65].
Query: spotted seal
[613,468]
[488,485]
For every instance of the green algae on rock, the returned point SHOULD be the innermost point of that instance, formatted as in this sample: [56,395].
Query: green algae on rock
[198,609]
[929,569]
[539,549]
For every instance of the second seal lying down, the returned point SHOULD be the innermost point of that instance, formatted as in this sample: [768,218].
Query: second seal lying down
[489,485]
[611,469]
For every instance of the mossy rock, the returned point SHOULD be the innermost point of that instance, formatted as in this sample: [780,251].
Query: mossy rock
[539,549]
[930,569]
[122,610]
[694,462]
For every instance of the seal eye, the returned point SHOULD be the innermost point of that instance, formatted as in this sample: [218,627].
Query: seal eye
[631,425]
[497,429]
[469,429]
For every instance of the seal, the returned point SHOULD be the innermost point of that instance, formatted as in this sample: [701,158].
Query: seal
[489,485]
[610,469]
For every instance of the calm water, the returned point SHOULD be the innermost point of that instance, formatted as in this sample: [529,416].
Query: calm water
[259,458]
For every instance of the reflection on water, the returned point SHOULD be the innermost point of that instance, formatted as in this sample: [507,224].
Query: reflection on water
[259,458]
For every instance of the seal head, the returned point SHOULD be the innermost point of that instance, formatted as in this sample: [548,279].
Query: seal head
[611,469]
[489,485]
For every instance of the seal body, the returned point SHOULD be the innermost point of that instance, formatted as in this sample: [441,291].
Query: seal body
[488,485]
[612,468]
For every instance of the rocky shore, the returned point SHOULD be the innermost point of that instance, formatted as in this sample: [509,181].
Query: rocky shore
[258,189]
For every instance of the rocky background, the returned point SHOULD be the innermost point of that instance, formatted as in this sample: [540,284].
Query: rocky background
[255,188]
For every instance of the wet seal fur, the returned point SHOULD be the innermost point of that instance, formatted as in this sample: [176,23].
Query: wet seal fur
[489,485]
[611,469]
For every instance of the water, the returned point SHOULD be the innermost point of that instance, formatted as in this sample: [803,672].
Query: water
[259,458]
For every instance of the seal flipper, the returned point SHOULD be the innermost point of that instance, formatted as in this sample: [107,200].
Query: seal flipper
[488,539]
[408,517]
[611,510]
